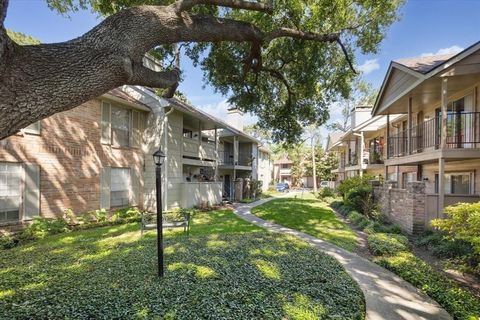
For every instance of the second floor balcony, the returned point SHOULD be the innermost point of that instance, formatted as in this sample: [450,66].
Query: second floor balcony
[463,132]
[227,158]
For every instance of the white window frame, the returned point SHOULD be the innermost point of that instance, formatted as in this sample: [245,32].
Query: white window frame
[21,180]
[457,173]
[127,188]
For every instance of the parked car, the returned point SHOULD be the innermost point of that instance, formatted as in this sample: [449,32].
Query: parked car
[327,184]
[283,187]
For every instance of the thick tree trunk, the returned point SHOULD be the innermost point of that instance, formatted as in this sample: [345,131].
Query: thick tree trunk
[41,80]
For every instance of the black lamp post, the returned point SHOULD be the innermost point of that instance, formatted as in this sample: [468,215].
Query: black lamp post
[158,158]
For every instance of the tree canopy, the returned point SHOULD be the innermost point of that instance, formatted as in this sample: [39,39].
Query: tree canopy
[285,61]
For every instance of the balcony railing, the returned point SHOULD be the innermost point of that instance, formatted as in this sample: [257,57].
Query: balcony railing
[227,158]
[463,131]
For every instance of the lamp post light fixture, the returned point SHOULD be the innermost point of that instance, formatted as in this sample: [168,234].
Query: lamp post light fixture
[158,159]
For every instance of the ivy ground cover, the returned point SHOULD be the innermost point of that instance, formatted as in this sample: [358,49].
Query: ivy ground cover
[225,269]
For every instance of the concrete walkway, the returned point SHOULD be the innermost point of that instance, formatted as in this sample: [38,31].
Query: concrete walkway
[387,296]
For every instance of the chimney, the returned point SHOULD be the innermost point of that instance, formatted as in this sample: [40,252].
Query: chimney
[235,118]
[360,114]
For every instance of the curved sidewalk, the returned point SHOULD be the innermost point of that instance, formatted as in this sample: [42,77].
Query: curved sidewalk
[387,296]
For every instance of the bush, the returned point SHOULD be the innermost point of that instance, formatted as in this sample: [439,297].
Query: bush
[444,247]
[7,241]
[358,219]
[355,182]
[42,227]
[360,199]
[127,215]
[387,243]
[389,228]
[336,204]
[460,303]
[463,223]
[326,192]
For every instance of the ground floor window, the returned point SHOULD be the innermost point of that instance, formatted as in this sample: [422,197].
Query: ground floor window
[408,177]
[120,186]
[10,191]
[457,183]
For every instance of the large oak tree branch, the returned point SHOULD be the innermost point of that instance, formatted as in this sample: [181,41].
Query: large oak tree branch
[185,5]
[41,80]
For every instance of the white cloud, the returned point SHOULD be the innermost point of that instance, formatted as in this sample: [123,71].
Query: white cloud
[450,50]
[369,66]
[219,110]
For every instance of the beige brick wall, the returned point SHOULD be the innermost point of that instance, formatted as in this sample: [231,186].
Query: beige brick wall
[70,157]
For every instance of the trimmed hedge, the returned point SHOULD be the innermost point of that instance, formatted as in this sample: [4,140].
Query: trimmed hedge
[387,243]
[460,303]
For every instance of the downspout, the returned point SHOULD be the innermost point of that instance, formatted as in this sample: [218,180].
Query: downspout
[165,187]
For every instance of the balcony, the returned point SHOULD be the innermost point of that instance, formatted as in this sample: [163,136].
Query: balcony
[463,132]
[192,148]
[226,158]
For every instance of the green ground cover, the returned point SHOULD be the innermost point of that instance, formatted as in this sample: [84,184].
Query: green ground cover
[308,215]
[227,268]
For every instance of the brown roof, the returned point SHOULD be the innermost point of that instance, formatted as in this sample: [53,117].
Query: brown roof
[282,161]
[119,93]
[424,64]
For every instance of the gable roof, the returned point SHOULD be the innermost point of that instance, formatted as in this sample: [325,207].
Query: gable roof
[424,64]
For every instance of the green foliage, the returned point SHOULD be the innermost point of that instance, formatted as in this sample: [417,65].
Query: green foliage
[360,199]
[289,90]
[111,273]
[463,223]
[7,241]
[460,303]
[326,192]
[387,243]
[22,39]
[127,215]
[358,219]
[390,228]
[69,216]
[357,182]
[42,227]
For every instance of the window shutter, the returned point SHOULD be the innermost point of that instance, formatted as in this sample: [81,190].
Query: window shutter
[31,197]
[106,123]
[135,181]
[135,142]
[105,188]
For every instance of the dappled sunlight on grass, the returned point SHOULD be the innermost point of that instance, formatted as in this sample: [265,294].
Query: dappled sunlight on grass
[268,269]
[303,308]
[310,216]
[226,268]
[202,272]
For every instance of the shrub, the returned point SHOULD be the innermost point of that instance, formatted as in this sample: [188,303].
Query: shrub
[7,241]
[69,216]
[445,247]
[360,199]
[387,243]
[460,303]
[389,228]
[88,217]
[42,227]
[100,215]
[358,219]
[326,192]
[354,182]
[463,223]
[336,204]
[127,215]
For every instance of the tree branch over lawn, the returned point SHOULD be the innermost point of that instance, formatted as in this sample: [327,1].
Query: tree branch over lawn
[38,81]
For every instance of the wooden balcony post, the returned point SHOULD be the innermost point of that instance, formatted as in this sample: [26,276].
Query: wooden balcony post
[409,127]
[441,187]
[216,154]
[443,132]
[387,144]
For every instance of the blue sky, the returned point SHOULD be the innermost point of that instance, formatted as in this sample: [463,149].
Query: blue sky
[425,27]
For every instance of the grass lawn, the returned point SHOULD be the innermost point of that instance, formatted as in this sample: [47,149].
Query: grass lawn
[308,215]
[226,268]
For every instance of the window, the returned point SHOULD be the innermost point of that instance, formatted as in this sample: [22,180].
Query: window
[187,133]
[408,177]
[10,191]
[120,186]
[457,183]
[285,166]
[120,127]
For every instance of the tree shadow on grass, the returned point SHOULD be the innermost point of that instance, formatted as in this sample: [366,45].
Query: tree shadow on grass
[239,276]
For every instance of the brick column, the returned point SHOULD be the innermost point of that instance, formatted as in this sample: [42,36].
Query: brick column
[416,205]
